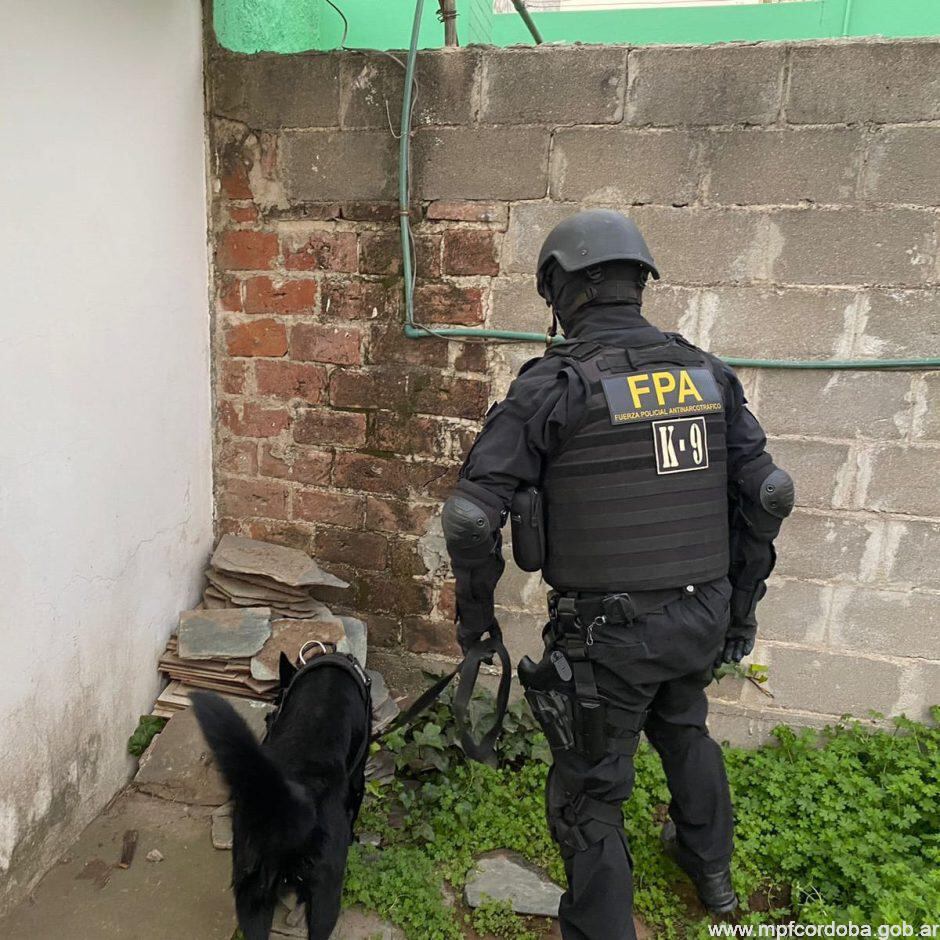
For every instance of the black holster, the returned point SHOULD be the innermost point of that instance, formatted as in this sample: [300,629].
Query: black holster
[528,529]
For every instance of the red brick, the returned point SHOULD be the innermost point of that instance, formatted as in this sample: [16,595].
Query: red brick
[371,474]
[230,294]
[299,464]
[257,338]
[422,635]
[442,210]
[404,558]
[232,376]
[424,392]
[262,295]
[407,434]
[316,343]
[471,357]
[287,380]
[356,300]
[389,344]
[403,596]
[242,214]
[330,508]
[435,480]
[321,251]
[371,211]
[448,303]
[233,171]
[361,549]
[246,250]
[447,601]
[306,212]
[239,457]
[323,426]
[282,533]
[381,254]
[384,631]
[253,420]
[470,251]
[398,516]
[241,498]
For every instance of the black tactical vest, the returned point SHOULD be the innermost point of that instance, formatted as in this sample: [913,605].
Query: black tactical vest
[636,499]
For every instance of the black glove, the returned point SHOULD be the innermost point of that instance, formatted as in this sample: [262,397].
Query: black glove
[467,637]
[739,642]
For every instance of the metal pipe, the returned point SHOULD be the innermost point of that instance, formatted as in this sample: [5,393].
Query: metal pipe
[523,11]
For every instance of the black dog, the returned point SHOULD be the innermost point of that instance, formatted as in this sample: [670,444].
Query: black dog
[297,794]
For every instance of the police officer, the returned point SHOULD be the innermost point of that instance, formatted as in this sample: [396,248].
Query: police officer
[660,504]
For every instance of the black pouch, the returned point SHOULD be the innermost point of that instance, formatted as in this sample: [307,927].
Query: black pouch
[528,529]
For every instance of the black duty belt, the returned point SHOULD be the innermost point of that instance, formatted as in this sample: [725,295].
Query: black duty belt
[619,608]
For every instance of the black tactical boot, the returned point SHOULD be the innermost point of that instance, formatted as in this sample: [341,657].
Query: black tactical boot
[714,889]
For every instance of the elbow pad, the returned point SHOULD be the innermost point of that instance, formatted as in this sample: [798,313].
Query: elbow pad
[777,493]
[468,531]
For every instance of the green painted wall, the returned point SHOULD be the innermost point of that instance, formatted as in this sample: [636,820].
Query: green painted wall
[297,25]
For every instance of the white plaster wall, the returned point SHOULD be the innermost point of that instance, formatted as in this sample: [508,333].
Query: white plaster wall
[105,483]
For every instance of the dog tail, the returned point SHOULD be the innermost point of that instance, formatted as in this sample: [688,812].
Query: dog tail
[258,786]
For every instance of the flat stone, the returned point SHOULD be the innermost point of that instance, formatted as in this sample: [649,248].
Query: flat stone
[235,586]
[357,639]
[506,876]
[384,715]
[179,766]
[379,688]
[288,636]
[187,895]
[286,565]
[222,827]
[208,634]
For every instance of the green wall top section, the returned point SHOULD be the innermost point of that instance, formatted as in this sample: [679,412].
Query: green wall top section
[298,25]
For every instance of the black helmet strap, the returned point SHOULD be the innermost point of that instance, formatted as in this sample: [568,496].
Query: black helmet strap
[605,292]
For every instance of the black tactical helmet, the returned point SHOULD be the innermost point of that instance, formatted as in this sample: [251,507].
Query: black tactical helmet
[589,238]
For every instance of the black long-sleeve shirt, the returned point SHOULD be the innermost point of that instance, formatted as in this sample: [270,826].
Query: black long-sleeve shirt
[545,403]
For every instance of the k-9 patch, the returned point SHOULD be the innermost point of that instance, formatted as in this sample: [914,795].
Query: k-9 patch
[681,444]
[665,393]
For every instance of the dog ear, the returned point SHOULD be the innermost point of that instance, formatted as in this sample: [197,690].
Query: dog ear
[287,670]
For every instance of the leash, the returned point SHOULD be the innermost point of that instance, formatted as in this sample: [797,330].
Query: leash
[482,651]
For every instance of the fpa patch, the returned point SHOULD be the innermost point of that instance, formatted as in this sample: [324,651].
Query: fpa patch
[665,393]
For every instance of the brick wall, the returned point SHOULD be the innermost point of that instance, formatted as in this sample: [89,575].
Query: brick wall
[790,195]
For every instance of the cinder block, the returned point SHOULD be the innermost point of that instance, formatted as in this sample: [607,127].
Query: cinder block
[914,558]
[372,86]
[826,548]
[927,408]
[638,165]
[707,246]
[902,166]
[890,247]
[887,623]
[872,405]
[902,324]
[828,682]
[793,611]
[517,306]
[757,166]
[553,85]
[481,162]
[883,82]
[528,226]
[669,307]
[904,480]
[320,165]
[740,726]
[704,85]
[276,91]
[779,324]
[816,466]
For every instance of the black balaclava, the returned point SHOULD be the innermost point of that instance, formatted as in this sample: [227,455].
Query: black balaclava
[614,287]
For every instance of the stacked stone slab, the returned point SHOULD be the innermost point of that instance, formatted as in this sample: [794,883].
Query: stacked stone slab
[790,196]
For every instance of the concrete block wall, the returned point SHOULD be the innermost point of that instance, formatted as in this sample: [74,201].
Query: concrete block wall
[790,195]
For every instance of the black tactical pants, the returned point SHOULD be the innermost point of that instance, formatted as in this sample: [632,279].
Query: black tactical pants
[660,663]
